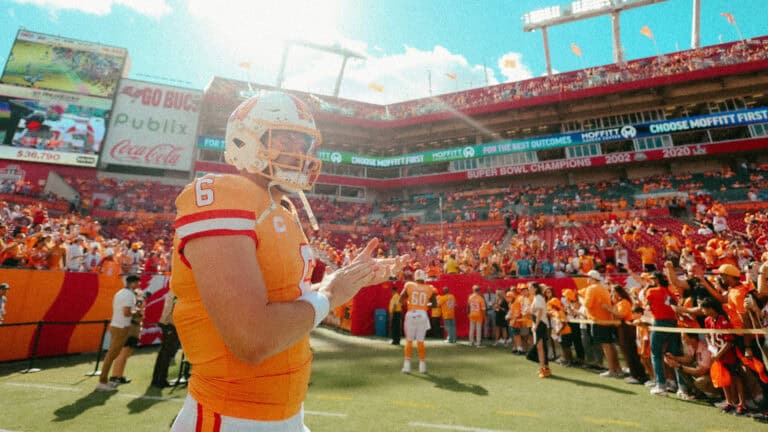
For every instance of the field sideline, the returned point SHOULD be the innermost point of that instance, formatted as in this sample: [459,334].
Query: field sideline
[357,386]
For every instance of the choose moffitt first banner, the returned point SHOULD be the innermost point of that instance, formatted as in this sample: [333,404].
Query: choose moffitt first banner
[153,126]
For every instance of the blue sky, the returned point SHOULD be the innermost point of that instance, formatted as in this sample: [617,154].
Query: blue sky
[189,41]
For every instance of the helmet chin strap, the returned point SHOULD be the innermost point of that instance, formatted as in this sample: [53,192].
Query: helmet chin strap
[272,206]
[308,209]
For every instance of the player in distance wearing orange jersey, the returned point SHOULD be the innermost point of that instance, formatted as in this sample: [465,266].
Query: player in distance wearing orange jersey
[242,271]
[420,299]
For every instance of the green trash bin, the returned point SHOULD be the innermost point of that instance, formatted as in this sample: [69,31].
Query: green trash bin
[380,322]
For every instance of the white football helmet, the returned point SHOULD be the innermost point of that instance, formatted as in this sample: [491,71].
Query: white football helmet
[420,275]
[249,140]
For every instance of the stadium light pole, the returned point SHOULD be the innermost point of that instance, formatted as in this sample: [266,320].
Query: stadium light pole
[580,10]
[545,36]
[696,25]
[333,49]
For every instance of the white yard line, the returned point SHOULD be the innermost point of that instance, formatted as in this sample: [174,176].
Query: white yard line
[452,427]
[149,397]
[42,386]
[324,414]
[137,396]
[78,389]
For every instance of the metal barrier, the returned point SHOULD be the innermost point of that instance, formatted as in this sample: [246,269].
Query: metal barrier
[38,332]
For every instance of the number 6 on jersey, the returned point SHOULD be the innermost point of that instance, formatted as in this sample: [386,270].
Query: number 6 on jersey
[203,195]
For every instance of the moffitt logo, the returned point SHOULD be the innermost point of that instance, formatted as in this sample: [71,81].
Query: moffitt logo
[161,154]
[153,96]
[628,132]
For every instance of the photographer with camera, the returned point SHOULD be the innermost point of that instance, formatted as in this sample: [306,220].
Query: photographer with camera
[132,342]
[123,308]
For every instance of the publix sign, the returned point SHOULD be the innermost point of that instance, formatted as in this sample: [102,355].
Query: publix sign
[153,126]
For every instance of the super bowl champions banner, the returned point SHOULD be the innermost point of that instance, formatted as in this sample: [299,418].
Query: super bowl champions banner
[153,126]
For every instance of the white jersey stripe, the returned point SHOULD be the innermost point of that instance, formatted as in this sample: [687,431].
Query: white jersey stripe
[229,224]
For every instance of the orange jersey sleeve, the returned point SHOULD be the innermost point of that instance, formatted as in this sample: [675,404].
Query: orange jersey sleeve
[225,206]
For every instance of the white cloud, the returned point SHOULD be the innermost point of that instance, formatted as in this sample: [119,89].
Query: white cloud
[152,8]
[246,33]
[512,67]
[403,76]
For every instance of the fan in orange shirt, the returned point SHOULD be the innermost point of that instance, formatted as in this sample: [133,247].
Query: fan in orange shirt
[485,250]
[597,301]
[647,257]
[586,262]
[672,246]
[447,303]
[522,319]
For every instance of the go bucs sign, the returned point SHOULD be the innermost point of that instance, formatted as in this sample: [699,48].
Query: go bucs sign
[153,126]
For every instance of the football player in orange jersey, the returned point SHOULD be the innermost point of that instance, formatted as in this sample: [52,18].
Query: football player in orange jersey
[242,271]
[476,313]
[419,296]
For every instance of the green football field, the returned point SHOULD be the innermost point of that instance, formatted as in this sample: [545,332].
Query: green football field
[357,386]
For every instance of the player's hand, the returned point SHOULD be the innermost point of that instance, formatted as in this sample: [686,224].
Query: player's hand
[363,271]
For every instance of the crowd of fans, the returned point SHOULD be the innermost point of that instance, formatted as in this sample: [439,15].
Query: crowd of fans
[522,229]
[661,66]
[32,238]
[124,195]
[649,318]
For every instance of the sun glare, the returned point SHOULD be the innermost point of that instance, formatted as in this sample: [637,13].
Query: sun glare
[258,29]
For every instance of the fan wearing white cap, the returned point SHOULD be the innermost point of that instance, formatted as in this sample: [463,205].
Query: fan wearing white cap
[597,301]
[420,297]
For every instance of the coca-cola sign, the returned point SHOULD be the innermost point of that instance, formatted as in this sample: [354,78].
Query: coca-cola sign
[161,154]
[153,126]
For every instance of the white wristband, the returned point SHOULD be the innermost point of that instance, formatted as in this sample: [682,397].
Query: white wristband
[319,303]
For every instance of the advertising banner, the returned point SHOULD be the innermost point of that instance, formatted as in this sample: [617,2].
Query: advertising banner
[210,143]
[619,158]
[153,126]
[626,132]
[55,63]
[51,127]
